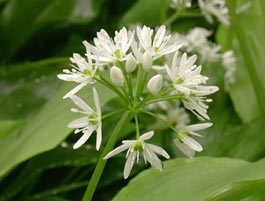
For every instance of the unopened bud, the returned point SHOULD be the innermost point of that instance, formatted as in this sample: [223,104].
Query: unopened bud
[130,63]
[147,61]
[155,83]
[116,76]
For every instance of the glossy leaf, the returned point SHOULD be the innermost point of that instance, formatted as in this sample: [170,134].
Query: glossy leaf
[190,179]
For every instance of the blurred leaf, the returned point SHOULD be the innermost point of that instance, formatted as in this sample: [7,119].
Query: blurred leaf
[147,12]
[9,127]
[20,19]
[189,179]
[52,159]
[245,142]
[26,87]
[47,129]
[242,91]
[238,190]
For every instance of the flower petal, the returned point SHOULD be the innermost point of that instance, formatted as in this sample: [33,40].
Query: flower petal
[117,151]
[75,90]
[184,148]
[158,150]
[147,135]
[129,164]
[78,123]
[197,127]
[99,136]
[193,144]
[96,100]
[80,103]
[84,138]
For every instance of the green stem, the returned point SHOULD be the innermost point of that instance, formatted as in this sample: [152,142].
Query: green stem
[164,98]
[104,82]
[173,18]
[160,119]
[235,22]
[138,83]
[137,126]
[101,163]
[112,113]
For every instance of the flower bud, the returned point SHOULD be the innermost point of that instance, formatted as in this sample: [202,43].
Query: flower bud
[147,61]
[130,63]
[155,83]
[116,76]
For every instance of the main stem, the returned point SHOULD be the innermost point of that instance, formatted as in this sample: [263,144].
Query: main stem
[101,163]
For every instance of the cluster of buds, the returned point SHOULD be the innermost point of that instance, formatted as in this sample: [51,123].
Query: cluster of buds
[140,75]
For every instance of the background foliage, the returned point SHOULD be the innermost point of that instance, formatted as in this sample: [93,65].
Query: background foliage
[38,37]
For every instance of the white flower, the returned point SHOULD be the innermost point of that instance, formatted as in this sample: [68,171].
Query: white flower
[187,144]
[135,147]
[116,76]
[180,4]
[185,75]
[147,61]
[88,124]
[229,63]
[108,50]
[210,53]
[159,46]
[83,73]
[216,8]
[155,83]
[197,106]
[196,38]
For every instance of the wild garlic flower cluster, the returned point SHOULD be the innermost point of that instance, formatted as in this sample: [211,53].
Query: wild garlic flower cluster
[210,8]
[196,42]
[133,65]
[180,4]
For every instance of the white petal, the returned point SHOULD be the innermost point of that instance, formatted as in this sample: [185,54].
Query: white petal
[70,77]
[197,127]
[96,100]
[78,123]
[152,159]
[99,136]
[75,90]
[117,151]
[184,148]
[147,135]
[193,144]
[84,138]
[159,36]
[129,164]
[80,103]
[158,150]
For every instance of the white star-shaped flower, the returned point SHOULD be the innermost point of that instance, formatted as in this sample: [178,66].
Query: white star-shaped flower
[108,50]
[88,124]
[187,144]
[82,73]
[135,147]
[157,47]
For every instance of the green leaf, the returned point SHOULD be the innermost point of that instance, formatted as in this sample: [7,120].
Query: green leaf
[238,190]
[147,12]
[249,46]
[52,159]
[245,142]
[47,129]
[20,19]
[9,127]
[189,179]
[53,198]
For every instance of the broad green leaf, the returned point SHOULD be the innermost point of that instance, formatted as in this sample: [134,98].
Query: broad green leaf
[189,179]
[47,129]
[238,190]
[51,159]
[242,91]
[53,198]
[147,12]
[20,19]
[245,142]
[8,127]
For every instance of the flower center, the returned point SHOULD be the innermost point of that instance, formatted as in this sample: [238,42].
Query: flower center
[87,72]
[93,119]
[181,134]
[138,146]
[179,81]
[117,54]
